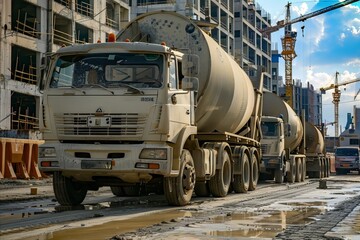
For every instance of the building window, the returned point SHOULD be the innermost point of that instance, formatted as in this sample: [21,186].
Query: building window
[237,33]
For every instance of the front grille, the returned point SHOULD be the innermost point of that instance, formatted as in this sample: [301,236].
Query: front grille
[265,148]
[122,124]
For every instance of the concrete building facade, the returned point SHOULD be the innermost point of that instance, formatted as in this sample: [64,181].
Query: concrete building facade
[252,49]
[30,31]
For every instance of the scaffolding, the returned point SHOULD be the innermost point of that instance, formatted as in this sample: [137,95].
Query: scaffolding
[21,121]
[24,28]
[25,73]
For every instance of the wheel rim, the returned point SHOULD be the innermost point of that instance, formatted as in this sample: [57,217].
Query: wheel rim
[188,180]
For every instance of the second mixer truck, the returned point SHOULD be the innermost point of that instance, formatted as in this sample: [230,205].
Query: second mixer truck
[291,149]
[164,104]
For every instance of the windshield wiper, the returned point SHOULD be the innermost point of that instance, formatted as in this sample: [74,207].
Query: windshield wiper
[132,88]
[78,89]
[102,87]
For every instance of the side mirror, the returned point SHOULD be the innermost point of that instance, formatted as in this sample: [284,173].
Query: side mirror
[190,83]
[190,65]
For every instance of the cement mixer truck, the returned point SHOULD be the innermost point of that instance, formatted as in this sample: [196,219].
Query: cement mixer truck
[291,149]
[164,105]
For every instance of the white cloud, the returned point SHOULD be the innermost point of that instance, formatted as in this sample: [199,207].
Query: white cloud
[320,29]
[342,36]
[353,62]
[301,10]
[354,26]
[351,7]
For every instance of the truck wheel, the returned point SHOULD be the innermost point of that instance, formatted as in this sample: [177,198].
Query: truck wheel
[279,173]
[317,173]
[242,181]
[68,192]
[326,167]
[178,190]
[291,174]
[303,174]
[299,169]
[202,189]
[279,176]
[220,183]
[254,170]
[117,191]
[132,191]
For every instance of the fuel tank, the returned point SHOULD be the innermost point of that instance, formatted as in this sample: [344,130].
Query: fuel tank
[225,98]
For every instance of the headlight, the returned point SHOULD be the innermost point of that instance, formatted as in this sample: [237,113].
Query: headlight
[154,153]
[47,152]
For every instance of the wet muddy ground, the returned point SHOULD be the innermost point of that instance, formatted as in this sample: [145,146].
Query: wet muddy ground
[295,211]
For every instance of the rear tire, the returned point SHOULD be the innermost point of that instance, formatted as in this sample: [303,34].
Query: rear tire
[220,183]
[254,170]
[303,175]
[117,191]
[242,181]
[299,169]
[178,190]
[68,192]
[317,174]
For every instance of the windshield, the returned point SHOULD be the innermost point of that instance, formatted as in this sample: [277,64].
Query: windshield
[269,129]
[347,152]
[109,70]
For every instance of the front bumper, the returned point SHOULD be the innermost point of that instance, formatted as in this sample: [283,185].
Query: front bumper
[85,161]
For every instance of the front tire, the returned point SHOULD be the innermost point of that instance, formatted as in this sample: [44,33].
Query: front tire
[178,190]
[68,192]
[291,174]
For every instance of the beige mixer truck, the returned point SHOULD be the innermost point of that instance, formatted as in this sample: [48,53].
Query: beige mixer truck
[290,150]
[164,104]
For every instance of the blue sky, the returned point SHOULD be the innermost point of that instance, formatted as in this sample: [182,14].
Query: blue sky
[330,42]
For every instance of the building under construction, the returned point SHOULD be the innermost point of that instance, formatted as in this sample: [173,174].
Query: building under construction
[31,31]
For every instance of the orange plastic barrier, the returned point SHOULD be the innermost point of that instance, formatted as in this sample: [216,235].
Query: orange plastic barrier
[19,158]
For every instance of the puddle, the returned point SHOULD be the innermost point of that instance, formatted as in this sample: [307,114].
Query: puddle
[306,204]
[110,229]
[263,233]
[266,224]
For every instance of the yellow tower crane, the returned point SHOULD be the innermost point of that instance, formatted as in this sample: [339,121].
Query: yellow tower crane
[289,39]
[336,98]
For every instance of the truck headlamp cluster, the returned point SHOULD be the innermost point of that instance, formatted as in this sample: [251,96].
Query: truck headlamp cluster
[47,152]
[154,153]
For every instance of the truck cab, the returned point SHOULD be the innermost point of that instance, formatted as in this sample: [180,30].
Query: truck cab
[272,144]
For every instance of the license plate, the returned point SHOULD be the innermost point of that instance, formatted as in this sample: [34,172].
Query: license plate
[96,164]
[346,165]
[99,121]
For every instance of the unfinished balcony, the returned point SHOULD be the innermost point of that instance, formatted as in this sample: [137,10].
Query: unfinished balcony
[23,65]
[84,7]
[62,31]
[23,112]
[24,18]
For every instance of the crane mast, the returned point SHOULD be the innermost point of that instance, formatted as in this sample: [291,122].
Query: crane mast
[289,40]
[336,98]
[288,53]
